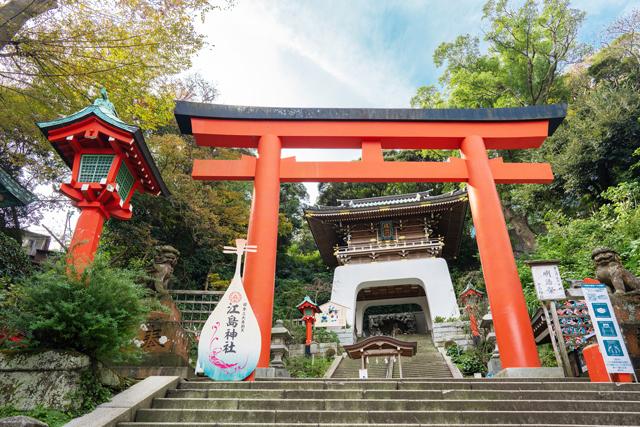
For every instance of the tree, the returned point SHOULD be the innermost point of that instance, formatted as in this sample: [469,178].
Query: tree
[527,51]
[197,219]
[55,56]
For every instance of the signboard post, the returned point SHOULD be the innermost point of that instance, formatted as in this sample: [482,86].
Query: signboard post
[548,282]
[612,345]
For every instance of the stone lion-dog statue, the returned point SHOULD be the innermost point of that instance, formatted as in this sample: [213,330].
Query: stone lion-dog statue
[160,270]
[609,270]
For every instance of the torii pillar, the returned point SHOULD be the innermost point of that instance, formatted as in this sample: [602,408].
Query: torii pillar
[473,132]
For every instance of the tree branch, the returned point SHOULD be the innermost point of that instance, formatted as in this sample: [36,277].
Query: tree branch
[15,13]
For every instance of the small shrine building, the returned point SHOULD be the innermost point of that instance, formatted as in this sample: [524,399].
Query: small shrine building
[391,250]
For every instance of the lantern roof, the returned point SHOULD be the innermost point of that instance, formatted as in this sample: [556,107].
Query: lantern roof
[470,289]
[103,110]
[12,193]
[307,303]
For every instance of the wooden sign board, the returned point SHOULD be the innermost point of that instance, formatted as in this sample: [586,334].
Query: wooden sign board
[332,315]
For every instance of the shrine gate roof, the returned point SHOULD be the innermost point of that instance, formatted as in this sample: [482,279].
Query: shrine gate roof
[452,206]
[184,111]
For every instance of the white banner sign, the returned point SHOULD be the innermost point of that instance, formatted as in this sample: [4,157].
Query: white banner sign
[603,318]
[230,340]
[548,282]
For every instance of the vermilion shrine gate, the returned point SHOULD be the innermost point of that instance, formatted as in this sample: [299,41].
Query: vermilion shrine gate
[473,132]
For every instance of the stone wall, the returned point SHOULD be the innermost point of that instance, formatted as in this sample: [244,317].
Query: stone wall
[297,350]
[48,378]
[455,331]
[406,322]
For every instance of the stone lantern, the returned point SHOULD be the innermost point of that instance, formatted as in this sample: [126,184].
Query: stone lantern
[279,349]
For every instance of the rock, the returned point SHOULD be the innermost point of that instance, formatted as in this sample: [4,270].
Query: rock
[21,421]
[47,378]
[43,360]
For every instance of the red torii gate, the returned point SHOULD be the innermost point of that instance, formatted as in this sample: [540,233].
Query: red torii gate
[473,132]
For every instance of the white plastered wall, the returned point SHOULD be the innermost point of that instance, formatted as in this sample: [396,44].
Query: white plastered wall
[431,274]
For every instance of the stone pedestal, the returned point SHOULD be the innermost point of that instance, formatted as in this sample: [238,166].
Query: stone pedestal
[627,309]
[166,343]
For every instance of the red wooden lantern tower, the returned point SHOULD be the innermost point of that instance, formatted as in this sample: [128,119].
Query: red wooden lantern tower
[308,309]
[109,160]
[470,298]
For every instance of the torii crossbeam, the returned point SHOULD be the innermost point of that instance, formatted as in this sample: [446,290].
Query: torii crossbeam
[472,132]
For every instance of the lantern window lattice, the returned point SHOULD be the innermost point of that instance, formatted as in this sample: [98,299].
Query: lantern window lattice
[94,167]
[125,180]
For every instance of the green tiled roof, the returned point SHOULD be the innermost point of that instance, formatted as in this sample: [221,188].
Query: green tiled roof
[12,192]
[306,299]
[101,107]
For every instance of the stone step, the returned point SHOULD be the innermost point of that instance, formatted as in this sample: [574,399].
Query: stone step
[405,394]
[397,405]
[445,384]
[180,424]
[288,417]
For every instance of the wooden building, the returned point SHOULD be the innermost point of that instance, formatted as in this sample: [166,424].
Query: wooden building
[389,228]
[391,250]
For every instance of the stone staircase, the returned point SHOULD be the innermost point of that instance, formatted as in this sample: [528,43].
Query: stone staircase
[411,403]
[426,363]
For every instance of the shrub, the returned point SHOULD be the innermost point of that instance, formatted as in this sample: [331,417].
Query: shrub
[322,335]
[439,319]
[302,367]
[14,261]
[453,349]
[52,417]
[96,312]
[329,353]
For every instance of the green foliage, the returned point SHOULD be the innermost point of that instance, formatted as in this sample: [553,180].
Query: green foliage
[91,392]
[470,361]
[547,356]
[96,312]
[303,368]
[52,417]
[197,219]
[573,239]
[526,50]
[14,261]
[453,349]
[439,319]
[299,334]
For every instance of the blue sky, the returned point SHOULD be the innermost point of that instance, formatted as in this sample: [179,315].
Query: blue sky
[339,53]
[355,53]
[347,53]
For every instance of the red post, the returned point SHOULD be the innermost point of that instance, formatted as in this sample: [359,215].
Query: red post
[260,267]
[86,236]
[309,333]
[508,307]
